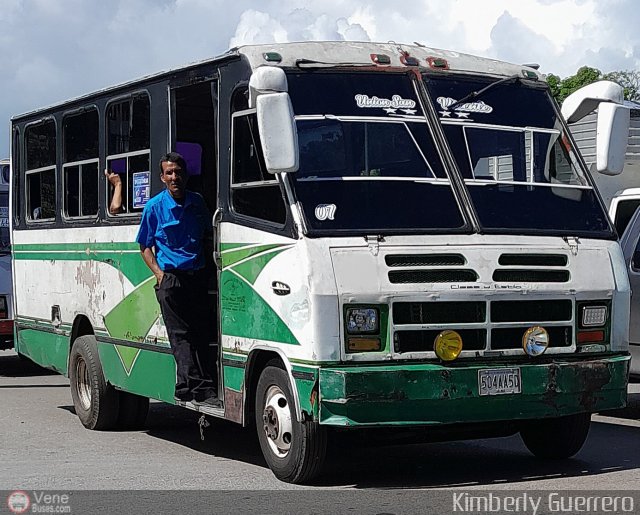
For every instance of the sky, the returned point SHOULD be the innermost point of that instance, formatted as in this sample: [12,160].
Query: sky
[54,50]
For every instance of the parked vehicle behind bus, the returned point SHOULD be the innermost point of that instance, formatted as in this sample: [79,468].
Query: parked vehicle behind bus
[6,288]
[404,237]
[621,195]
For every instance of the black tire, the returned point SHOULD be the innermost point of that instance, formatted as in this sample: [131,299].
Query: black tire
[95,401]
[556,438]
[132,413]
[294,456]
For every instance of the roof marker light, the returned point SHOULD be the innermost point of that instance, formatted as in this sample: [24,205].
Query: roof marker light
[408,60]
[528,74]
[438,62]
[381,59]
[272,57]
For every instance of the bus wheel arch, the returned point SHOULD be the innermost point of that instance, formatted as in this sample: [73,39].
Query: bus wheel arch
[81,327]
[294,449]
[256,363]
[95,401]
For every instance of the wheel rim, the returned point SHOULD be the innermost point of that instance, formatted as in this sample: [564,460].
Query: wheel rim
[276,419]
[83,386]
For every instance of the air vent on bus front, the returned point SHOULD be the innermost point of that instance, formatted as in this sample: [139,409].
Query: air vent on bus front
[533,260]
[432,276]
[433,268]
[425,260]
[532,268]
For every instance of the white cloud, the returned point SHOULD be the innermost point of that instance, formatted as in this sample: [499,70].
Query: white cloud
[53,51]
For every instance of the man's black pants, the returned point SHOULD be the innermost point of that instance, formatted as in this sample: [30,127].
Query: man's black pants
[183,300]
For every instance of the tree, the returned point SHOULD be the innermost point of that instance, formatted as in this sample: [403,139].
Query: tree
[629,80]
[562,88]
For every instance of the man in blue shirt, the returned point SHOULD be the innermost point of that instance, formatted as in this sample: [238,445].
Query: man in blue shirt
[171,237]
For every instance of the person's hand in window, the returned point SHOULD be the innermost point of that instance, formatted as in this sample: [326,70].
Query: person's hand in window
[115,206]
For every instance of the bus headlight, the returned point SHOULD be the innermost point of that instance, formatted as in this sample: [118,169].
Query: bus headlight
[363,321]
[365,327]
[535,341]
[447,345]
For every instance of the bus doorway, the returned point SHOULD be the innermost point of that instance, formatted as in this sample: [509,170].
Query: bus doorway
[193,130]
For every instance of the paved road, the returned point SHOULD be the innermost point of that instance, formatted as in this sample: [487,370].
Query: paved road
[44,446]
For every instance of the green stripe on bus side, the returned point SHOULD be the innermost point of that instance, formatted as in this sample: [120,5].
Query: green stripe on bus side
[47,349]
[72,247]
[244,313]
[306,396]
[224,247]
[154,373]
[233,256]
[130,264]
[251,268]
[132,318]
[233,378]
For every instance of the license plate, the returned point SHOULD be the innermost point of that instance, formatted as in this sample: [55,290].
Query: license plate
[499,381]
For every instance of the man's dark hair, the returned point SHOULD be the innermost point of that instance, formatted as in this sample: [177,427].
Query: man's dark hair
[174,157]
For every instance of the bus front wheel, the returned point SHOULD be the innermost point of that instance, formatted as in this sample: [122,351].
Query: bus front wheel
[556,438]
[294,451]
[94,400]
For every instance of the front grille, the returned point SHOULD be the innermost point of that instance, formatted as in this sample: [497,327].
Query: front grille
[484,325]
[432,276]
[425,260]
[422,341]
[531,311]
[531,276]
[439,312]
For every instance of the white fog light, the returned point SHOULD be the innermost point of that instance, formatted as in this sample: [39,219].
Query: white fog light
[593,316]
[535,341]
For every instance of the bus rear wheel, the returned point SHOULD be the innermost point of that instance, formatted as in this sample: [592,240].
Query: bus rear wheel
[295,451]
[94,400]
[556,438]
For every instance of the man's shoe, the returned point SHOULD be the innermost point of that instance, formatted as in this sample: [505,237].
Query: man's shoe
[183,397]
[209,402]
[201,394]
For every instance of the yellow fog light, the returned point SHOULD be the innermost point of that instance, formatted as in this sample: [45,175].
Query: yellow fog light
[535,340]
[447,345]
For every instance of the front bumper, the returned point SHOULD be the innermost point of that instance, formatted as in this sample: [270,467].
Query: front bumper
[432,394]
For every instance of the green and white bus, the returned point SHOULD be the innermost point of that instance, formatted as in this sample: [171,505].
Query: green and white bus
[403,237]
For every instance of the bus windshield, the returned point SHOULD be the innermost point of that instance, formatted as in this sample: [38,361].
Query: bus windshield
[367,161]
[519,166]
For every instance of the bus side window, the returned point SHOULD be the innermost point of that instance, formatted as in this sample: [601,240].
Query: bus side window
[40,146]
[254,191]
[80,164]
[128,151]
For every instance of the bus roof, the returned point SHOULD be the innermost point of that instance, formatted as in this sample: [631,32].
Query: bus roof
[327,54]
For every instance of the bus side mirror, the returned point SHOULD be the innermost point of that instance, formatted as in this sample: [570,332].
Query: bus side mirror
[278,132]
[269,94]
[612,131]
[612,136]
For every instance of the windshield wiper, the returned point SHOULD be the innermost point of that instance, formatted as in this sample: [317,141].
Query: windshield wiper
[475,94]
